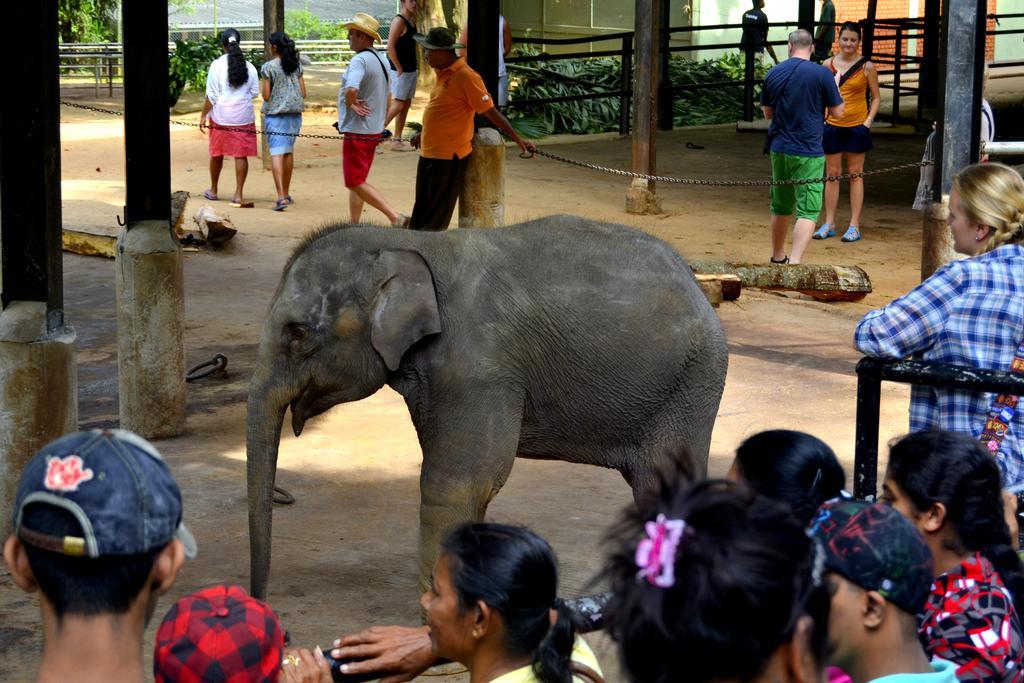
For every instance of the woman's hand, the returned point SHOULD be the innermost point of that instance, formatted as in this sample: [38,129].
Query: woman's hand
[402,651]
[415,142]
[302,666]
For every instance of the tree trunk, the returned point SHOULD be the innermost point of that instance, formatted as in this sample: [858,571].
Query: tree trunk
[430,13]
[822,282]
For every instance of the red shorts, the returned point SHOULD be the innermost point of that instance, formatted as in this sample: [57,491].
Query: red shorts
[232,141]
[357,156]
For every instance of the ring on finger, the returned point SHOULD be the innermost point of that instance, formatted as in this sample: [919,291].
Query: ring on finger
[290,659]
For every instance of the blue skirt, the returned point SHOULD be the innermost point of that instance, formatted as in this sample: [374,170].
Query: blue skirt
[290,124]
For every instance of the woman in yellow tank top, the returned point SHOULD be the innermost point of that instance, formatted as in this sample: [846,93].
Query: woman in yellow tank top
[849,135]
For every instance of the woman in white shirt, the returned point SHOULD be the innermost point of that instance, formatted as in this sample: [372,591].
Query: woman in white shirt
[231,85]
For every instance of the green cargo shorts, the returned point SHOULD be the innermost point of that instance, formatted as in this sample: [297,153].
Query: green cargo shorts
[806,199]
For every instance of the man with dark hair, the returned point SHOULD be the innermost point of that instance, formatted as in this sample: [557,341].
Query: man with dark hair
[446,140]
[755,31]
[879,572]
[98,533]
[795,96]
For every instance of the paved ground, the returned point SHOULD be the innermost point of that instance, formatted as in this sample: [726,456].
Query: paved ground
[344,554]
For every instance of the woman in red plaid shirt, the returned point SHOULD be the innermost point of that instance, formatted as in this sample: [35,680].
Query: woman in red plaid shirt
[948,486]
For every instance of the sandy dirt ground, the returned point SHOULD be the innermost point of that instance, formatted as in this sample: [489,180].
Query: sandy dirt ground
[344,554]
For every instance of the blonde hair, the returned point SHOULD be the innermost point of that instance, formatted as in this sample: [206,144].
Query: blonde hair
[993,195]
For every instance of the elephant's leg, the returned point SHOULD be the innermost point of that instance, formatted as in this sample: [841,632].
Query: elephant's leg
[467,458]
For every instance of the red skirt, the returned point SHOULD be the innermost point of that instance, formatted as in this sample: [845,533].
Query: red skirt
[232,141]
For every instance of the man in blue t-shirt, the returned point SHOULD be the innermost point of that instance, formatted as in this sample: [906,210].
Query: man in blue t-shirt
[794,97]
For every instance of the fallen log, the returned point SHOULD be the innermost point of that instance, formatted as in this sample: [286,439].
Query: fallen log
[822,282]
[102,241]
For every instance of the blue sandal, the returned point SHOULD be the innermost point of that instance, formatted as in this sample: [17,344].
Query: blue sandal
[852,234]
[280,205]
[825,231]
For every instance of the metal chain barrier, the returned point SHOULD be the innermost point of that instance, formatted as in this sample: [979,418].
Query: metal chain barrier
[190,124]
[706,182]
[729,183]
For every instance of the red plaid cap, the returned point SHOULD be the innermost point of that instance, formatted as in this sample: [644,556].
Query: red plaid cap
[219,635]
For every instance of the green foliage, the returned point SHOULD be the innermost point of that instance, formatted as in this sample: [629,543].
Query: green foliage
[304,25]
[720,104]
[190,62]
[87,21]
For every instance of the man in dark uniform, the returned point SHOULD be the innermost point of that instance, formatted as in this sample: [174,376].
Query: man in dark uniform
[755,31]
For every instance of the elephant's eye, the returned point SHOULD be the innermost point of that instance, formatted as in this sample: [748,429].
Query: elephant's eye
[297,332]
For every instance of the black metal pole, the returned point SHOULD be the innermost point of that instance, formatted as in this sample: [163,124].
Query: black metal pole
[482,42]
[865,458]
[805,16]
[665,114]
[30,213]
[868,45]
[748,84]
[147,137]
[930,65]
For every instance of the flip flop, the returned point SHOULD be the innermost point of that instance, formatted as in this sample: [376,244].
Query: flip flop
[280,205]
[242,205]
[207,194]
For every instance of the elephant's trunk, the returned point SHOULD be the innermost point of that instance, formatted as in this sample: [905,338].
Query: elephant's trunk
[263,435]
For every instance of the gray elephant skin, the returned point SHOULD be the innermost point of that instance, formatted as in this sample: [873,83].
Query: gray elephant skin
[560,338]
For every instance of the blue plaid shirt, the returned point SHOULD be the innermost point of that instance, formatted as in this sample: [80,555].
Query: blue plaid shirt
[970,312]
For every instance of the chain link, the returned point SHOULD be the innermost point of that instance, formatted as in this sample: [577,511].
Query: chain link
[729,183]
[190,124]
[706,182]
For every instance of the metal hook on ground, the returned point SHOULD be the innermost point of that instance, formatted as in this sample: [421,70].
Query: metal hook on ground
[218,363]
[282,497]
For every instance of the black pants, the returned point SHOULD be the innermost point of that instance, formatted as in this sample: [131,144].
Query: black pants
[438,184]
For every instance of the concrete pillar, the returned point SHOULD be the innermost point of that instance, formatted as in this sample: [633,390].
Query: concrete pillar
[150,330]
[38,392]
[482,202]
[936,239]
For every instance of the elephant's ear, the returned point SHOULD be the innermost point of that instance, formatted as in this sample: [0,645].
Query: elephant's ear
[405,307]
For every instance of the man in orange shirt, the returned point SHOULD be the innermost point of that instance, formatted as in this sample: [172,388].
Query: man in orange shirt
[447,137]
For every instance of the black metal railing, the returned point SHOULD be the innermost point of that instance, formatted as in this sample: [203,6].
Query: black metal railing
[888,39]
[871,372]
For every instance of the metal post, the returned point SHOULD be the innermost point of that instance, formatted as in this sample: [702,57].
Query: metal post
[625,84]
[665,113]
[897,70]
[929,80]
[482,46]
[641,197]
[865,459]
[748,84]
[868,45]
[805,16]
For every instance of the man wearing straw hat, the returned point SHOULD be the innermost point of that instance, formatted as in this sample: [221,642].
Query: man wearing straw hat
[447,137]
[362,106]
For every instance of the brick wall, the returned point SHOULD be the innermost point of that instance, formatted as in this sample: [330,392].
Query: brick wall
[855,10]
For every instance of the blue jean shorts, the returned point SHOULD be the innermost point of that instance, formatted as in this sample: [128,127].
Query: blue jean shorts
[855,139]
[290,125]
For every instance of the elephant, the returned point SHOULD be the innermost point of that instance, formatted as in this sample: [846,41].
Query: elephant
[558,338]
